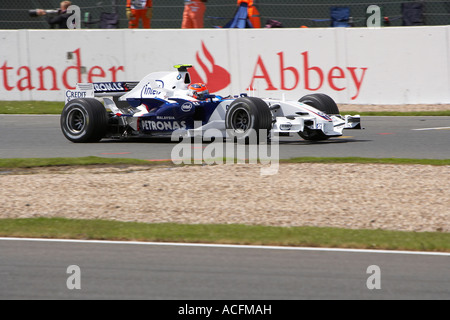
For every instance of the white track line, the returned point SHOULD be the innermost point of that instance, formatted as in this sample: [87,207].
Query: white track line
[427,129]
[227,246]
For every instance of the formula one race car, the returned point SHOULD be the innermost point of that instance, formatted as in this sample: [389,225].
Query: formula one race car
[164,103]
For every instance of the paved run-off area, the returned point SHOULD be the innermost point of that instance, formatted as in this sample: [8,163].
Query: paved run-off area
[369,196]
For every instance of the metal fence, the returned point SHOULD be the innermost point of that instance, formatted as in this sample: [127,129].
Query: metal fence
[168,13]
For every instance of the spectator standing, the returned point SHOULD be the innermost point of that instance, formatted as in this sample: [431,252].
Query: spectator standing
[194,11]
[60,20]
[139,10]
[253,12]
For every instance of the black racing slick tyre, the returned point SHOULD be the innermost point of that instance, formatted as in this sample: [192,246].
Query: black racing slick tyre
[84,120]
[321,102]
[248,119]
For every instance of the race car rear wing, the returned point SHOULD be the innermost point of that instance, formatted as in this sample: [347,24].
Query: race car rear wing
[100,89]
[113,87]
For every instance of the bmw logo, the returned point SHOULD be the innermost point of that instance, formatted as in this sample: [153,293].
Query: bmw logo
[286,126]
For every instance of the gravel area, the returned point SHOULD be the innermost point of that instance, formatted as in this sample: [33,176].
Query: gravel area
[398,108]
[375,196]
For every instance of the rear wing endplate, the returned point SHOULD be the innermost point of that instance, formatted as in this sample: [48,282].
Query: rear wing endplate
[99,89]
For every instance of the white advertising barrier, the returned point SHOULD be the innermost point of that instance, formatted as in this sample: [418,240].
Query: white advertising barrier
[353,65]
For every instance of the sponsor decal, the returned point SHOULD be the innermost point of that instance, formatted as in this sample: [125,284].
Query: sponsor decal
[78,94]
[75,94]
[165,117]
[323,115]
[49,77]
[216,79]
[286,126]
[305,76]
[320,114]
[282,70]
[147,91]
[109,86]
[314,77]
[186,107]
[150,125]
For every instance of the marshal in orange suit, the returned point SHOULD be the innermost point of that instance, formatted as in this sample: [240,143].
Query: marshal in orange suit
[139,10]
[193,13]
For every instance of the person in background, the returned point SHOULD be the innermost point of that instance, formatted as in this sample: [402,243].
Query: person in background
[60,20]
[194,11]
[139,10]
[253,12]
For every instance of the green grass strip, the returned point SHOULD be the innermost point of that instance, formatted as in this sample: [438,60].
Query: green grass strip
[225,234]
[31,107]
[84,161]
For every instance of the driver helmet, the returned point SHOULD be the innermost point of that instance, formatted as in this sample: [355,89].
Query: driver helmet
[198,91]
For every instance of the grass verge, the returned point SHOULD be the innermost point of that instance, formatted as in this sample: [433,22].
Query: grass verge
[82,161]
[85,161]
[31,107]
[225,234]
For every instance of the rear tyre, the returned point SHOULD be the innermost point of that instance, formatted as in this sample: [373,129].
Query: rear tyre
[321,102]
[248,119]
[84,120]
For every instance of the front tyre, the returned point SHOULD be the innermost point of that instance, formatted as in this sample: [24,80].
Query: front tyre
[84,120]
[321,102]
[248,118]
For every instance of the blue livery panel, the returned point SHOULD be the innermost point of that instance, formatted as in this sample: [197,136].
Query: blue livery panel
[166,117]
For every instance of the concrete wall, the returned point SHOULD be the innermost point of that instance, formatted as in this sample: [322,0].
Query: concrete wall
[353,65]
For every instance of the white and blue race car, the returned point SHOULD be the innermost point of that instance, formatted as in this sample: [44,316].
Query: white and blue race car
[163,103]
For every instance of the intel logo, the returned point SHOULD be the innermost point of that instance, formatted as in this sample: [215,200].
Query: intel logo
[186,107]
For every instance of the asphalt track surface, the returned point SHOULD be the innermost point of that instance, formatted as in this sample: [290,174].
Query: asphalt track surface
[39,270]
[383,137]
